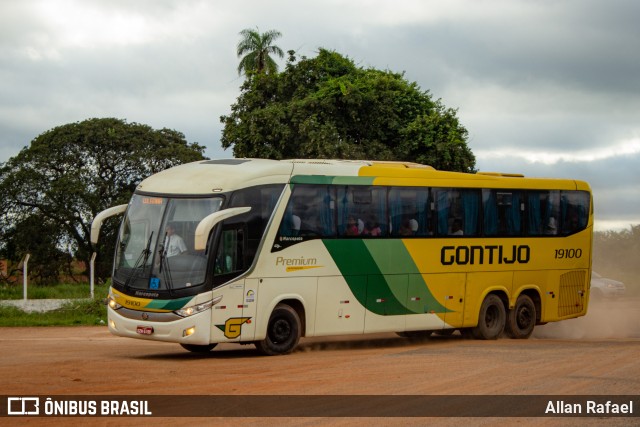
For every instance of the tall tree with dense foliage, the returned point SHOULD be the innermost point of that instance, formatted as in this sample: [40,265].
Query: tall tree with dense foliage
[256,49]
[327,107]
[53,189]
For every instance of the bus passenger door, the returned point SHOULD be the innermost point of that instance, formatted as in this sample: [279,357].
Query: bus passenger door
[229,318]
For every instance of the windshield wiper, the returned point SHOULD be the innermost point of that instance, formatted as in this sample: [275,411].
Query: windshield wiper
[164,264]
[140,262]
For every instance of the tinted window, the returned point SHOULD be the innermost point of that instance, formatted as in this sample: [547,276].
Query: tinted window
[409,211]
[543,212]
[574,207]
[362,211]
[457,211]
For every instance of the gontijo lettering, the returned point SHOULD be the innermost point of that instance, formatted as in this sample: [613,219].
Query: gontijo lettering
[489,254]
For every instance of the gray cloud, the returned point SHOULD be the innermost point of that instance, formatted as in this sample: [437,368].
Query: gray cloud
[532,81]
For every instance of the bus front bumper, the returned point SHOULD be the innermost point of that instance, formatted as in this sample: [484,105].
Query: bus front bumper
[194,329]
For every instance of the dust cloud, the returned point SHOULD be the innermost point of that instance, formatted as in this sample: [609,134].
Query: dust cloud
[605,319]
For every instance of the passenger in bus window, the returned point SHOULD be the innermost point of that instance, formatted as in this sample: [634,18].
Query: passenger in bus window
[372,228]
[352,227]
[551,228]
[295,225]
[456,228]
[407,227]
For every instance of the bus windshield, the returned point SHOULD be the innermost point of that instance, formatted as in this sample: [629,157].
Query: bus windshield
[155,249]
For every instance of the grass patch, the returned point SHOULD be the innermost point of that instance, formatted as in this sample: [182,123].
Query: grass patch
[79,312]
[61,291]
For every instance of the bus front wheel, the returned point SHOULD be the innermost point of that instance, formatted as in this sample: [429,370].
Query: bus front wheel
[491,320]
[522,318]
[283,332]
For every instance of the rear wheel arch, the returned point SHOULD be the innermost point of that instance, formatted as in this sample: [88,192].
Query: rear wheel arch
[492,316]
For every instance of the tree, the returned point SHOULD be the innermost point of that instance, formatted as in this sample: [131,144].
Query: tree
[327,107]
[54,188]
[38,236]
[257,50]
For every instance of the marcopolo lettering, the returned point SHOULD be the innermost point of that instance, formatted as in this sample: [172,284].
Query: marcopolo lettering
[490,254]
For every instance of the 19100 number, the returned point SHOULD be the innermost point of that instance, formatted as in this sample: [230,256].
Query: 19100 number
[568,253]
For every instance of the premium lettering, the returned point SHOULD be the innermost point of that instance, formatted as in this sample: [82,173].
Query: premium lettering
[296,261]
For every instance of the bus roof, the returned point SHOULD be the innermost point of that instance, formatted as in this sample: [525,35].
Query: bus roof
[213,176]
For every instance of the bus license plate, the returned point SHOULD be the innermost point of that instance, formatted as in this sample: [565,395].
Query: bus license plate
[144,330]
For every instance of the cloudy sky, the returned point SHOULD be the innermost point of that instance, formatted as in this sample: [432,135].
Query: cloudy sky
[545,87]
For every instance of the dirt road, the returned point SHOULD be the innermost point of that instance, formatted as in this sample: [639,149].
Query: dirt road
[595,355]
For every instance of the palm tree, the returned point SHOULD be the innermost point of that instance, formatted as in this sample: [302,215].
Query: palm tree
[257,49]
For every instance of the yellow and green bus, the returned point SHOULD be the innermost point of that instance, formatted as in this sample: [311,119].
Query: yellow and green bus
[265,252]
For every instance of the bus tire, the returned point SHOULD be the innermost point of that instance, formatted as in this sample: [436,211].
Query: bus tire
[195,348]
[522,319]
[283,332]
[491,320]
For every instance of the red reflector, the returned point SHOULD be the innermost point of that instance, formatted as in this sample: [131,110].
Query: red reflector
[144,330]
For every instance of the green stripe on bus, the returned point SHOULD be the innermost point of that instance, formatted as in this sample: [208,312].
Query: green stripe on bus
[393,258]
[380,274]
[163,304]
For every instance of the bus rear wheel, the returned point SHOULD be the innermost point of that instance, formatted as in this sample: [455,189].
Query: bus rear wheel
[195,348]
[522,319]
[491,320]
[283,332]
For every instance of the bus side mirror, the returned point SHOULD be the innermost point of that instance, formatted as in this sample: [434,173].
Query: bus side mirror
[97,221]
[206,225]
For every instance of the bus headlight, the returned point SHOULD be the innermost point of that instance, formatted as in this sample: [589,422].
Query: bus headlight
[195,309]
[111,302]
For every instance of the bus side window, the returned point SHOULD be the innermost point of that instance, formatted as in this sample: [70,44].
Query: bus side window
[262,200]
[574,206]
[458,212]
[443,209]
[366,206]
[229,255]
[309,212]
[409,210]
[550,212]
[534,217]
[503,211]
[470,211]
